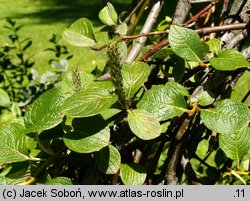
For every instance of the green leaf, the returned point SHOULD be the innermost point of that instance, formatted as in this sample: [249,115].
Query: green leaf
[67,85]
[205,47]
[205,98]
[178,69]
[107,84]
[236,145]
[122,28]
[227,117]
[4,99]
[214,45]
[229,60]
[44,112]
[134,75]
[186,43]
[13,144]
[80,33]
[60,181]
[164,102]
[108,15]
[123,50]
[88,102]
[164,24]
[143,124]
[17,171]
[178,88]
[90,134]
[5,180]
[106,114]
[108,160]
[133,174]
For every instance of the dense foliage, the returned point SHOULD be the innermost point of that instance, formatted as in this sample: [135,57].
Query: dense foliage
[165,118]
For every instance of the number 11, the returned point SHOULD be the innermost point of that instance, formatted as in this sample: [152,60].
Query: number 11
[240,193]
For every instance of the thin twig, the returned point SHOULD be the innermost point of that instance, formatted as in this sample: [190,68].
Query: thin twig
[202,31]
[133,11]
[154,49]
[181,12]
[146,28]
[199,1]
[197,16]
[138,17]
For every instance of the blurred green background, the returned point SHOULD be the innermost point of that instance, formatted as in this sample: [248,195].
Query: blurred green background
[43,18]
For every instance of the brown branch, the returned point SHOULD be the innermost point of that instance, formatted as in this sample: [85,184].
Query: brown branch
[202,31]
[229,27]
[138,17]
[154,49]
[144,34]
[181,12]
[197,16]
[224,12]
[133,11]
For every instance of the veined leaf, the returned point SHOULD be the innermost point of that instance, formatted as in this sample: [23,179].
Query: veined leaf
[60,181]
[108,160]
[143,124]
[68,87]
[164,102]
[106,114]
[122,28]
[88,102]
[44,112]
[13,144]
[5,180]
[4,99]
[178,88]
[204,97]
[108,15]
[236,145]
[134,75]
[214,45]
[80,33]
[229,60]
[133,174]
[227,117]
[90,134]
[186,43]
